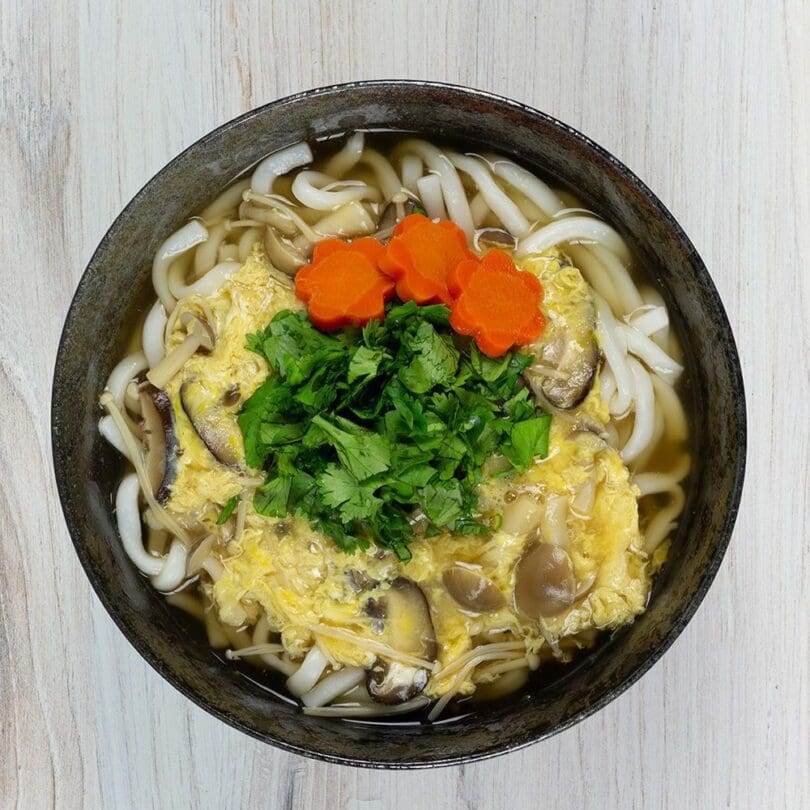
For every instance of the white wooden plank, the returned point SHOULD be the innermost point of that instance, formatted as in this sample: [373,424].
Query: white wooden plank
[709,103]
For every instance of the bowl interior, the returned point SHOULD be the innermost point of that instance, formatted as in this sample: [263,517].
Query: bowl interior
[116,288]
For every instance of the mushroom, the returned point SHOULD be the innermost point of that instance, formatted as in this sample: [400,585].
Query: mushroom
[409,629]
[522,514]
[544,581]
[397,209]
[255,209]
[282,254]
[288,255]
[509,682]
[567,358]
[350,220]
[471,590]
[216,426]
[390,682]
[199,337]
[360,581]
[494,238]
[160,439]
[231,395]
[375,608]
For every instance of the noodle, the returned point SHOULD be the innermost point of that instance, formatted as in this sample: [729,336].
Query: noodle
[205,257]
[178,243]
[429,188]
[281,162]
[386,176]
[345,160]
[525,182]
[644,414]
[455,199]
[503,207]
[321,192]
[154,328]
[411,172]
[573,229]
[292,201]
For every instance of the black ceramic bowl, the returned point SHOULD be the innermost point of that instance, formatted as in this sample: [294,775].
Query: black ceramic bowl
[116,288]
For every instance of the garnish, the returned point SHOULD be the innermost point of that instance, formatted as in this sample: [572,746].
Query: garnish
[227,510]
[342,285]
[495,303]
[369,432]
[420,255]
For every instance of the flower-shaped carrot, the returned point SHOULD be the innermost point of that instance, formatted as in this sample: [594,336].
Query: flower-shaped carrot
[342,285]
[496,303]
[420,255]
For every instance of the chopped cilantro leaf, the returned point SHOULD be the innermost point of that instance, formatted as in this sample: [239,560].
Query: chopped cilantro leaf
[227,510]
[364,364]
[361,451]
[528,439]
[357,430]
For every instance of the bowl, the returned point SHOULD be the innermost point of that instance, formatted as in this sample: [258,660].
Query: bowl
[115,289]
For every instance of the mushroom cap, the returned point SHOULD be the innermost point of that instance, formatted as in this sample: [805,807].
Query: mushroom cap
[472,590]
[544,581]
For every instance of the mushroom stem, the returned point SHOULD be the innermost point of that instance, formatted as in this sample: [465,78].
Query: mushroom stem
[200,336]
[165,520]
[160,375]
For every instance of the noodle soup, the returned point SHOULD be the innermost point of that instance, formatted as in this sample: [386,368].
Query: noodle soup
[403,426]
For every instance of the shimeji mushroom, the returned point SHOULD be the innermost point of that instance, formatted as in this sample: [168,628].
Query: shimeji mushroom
[544,581]
[472,590]
[408,629]
[199,337]
[567,358]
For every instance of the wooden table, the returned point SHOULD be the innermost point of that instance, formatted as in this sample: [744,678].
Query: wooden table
[708,102]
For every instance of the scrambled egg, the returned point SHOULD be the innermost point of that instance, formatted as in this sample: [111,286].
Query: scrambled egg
[244,304]
[299,579]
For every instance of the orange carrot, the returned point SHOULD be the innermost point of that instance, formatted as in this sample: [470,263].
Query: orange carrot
[495,303]
[342,285]
[420,255]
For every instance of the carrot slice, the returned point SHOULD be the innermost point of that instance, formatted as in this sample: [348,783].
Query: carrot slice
[495,303]
[420,255]
[342,285]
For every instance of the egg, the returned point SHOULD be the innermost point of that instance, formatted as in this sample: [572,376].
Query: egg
[580,495]
[243,305]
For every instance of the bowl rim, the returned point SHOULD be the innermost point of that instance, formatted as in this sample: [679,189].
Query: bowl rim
[724,532]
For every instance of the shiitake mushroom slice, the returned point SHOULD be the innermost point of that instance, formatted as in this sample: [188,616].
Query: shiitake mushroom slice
[160,438]
[216,426]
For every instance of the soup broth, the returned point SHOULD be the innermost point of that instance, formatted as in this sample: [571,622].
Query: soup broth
[403,426]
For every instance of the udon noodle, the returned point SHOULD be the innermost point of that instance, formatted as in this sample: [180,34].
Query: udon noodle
[274,218]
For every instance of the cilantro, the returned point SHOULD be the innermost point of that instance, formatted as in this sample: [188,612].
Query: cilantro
[358,429]
[340,489]
[362,452]
[364,364]
[227,510]
[528,439]
[434,361]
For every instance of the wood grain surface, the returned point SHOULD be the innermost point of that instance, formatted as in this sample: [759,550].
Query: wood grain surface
[708,102]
